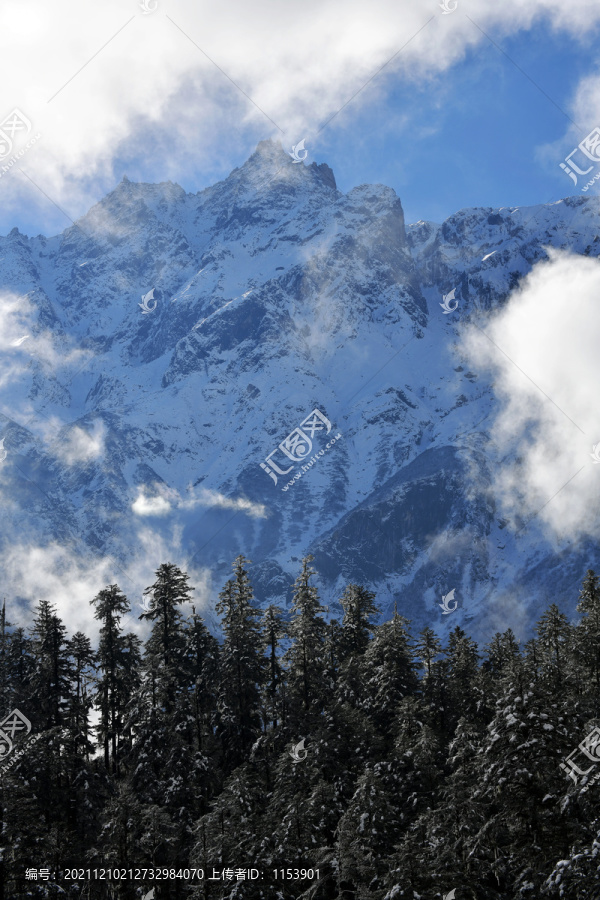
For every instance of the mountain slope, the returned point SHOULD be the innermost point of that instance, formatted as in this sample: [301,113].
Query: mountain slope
[276,295]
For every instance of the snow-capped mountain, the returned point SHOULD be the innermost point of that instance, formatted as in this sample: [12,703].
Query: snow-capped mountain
[268,296]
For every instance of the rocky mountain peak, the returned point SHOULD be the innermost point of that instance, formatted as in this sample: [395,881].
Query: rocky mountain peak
[191,334]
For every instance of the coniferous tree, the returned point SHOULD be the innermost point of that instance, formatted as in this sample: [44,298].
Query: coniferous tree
[519,780]
[394,785]
[82,674]
[129,682]
[389,672]
[464,691]
[201,652]
[19,667]
[306,658]
[119,839]
[302,813]
[64,803]
[554,647]
[417,761]
[168,771]
[6,685]
[273,629]
[352,641]
[367,830]
[49,682]
[332,655]
[503,653]
[357,624]
[455,822]
[242,668]
[165,647]
[586,639]
[234,828]
[81,793]
[428,647]
[111,694]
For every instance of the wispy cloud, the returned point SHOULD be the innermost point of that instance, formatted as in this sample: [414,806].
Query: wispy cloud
[163,500]
[214,498]
[22,340]
[80,446]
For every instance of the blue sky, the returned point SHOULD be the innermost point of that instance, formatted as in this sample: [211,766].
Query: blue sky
[489,122]
[456,124]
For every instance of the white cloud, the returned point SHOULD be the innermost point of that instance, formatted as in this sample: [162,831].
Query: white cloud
[22,341]
[58,575]
[165,499]
[214,498]
[79,446]
[546,367]
[158,505]
[70,444]
[152,93]
[69,579]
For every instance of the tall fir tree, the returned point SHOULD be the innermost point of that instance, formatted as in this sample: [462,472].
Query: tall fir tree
[389,672]
[465,695]
[50,677]
[273,629]
[112,691]
[306,658]
[167,768]
[242,668]
[554,646]
[83,666]
[165,648]
[201,651]
[586,641]
[357,624]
